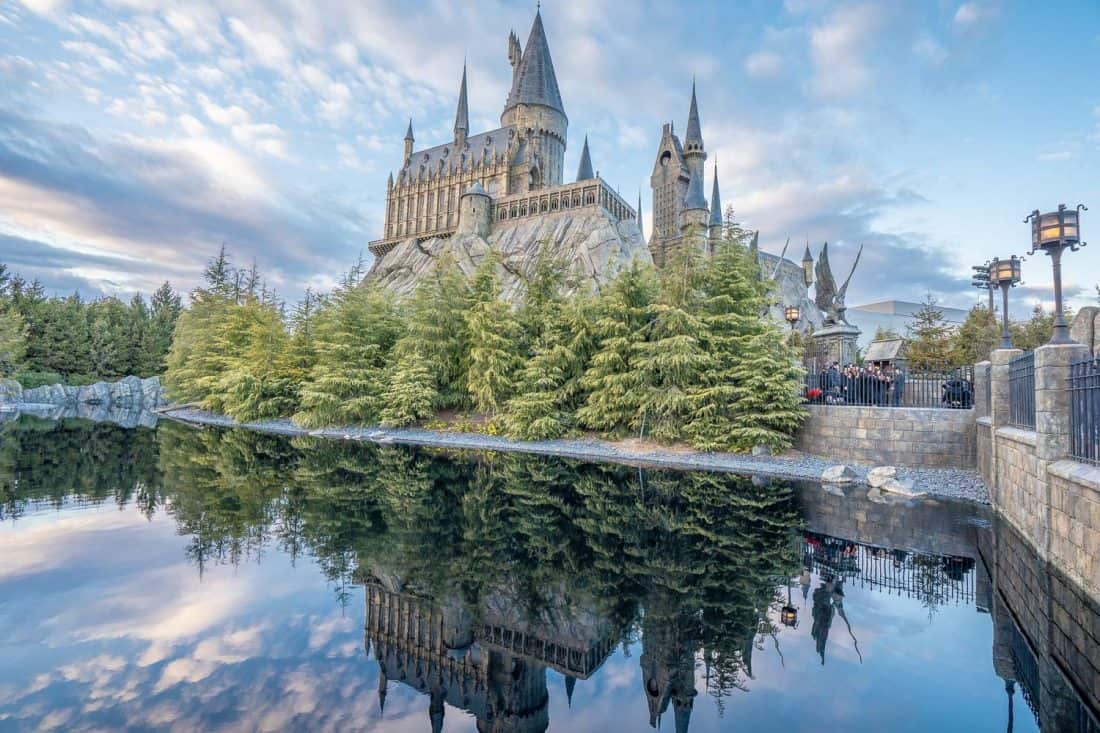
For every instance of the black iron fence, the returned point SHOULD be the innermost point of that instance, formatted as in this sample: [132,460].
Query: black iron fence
[1021,391]
[1084,411]
[890,386]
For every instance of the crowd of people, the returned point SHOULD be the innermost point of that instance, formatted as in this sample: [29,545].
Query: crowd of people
[858,385]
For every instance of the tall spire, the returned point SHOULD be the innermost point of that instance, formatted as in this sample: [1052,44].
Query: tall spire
[641,228]
[462,116]
[715,200]
[570,683]
[584,170]
[695,198]
[534,81]
[409,131]
[694,129]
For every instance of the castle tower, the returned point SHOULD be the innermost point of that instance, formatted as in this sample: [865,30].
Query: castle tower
[534,108]
[669,182]
[694,152]
[641,227]
[715,224]
[462,115]
[694,216]
[584,170]
[409,140]
[474,211]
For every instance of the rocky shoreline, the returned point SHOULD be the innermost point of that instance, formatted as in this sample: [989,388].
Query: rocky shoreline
[129,402]
[934,482]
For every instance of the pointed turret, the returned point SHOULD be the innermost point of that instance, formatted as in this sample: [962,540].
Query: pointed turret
[808,278]
[695,199]
[584,170]
[462,115]
[534,81]
[641,227]
[409,140]
[382,680]
[715,200]
[570,683]
[694,153]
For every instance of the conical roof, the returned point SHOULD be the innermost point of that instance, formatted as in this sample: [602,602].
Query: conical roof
[694,129]
[695,198]
[409,132]
[584,170]
[715,200]
[462,115]
[535,82]
[641,228]
[476,190]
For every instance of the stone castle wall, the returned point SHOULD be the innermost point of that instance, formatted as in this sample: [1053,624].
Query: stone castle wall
[897,436]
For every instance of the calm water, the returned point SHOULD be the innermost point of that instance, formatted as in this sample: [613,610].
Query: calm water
[185,580]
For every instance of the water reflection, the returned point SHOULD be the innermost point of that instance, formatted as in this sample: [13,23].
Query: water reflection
[480,580]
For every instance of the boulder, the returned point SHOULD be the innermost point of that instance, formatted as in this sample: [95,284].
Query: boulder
[10,391]
[879,475]
[901,487]
[839,474]
[1085,328]
[761,450]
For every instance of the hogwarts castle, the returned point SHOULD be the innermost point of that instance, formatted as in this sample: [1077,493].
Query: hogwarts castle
[503,190]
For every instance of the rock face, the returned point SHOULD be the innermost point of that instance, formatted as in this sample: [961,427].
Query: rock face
[879,475]
[1085,328]
[10,391]
[129,393]
[597,245]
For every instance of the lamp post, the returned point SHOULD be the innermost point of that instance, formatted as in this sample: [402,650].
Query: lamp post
[1005,274]
[792,314]
[980,280]
[1053,233]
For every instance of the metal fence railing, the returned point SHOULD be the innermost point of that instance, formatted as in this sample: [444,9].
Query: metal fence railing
[1021,391]
[1084,411]
[891,386]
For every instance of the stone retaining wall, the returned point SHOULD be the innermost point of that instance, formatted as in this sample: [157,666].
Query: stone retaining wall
[897,436]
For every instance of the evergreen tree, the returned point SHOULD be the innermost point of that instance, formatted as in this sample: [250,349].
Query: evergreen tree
[356,333]
[978,335]
[137,322]
[612,382]
[675,359]
[199,352]
[413,385]
[494,338]
[13,340]
[929,337]
[254,385]
[549,384]
[164,310]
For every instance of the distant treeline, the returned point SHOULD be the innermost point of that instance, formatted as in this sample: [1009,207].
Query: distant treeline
[685,353]
[47,339]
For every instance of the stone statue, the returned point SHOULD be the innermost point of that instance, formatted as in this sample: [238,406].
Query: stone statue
[829,299]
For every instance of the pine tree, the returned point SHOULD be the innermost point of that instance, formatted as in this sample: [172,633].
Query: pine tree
[612,383]
[13,340]
[164,310]
[494,337]
[253,384]
[413,384]
[929,337]
[356,332]
[548,390]
[978,335]
[198,355]
[675,359]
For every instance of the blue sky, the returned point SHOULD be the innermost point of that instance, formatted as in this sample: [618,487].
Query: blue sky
[136,136]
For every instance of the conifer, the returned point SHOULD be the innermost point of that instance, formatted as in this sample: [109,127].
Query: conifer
[494,341]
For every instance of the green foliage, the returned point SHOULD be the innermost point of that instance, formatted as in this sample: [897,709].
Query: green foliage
[929,337]
[13,340]
[355,335]
[886,334]
[494,337]
[978,335]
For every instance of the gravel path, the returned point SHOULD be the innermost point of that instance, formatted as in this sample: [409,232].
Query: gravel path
[947,483]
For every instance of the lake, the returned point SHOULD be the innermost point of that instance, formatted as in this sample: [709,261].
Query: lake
[189,580]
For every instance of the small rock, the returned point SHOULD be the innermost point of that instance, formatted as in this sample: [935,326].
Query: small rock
[879,475]
[10,391]
[761,450]
[902,487]
[839,474]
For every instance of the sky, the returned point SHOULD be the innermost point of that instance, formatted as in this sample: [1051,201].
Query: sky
[139,136]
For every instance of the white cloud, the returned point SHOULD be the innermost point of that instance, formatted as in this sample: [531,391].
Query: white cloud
[929,49]
[192,126]
[347,53]
[262,137]
[972,14]
[838,48]
[46,7]
[764,65]
[225,116]
[267,49]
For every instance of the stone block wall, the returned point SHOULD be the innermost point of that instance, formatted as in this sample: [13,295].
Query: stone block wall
[897,436]
[1020,491]
[985,449]
[1075,519]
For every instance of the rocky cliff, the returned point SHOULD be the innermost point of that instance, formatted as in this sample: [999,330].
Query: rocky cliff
[598,245]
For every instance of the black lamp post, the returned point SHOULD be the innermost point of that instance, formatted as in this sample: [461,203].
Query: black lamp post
[792,314]
[980,280]
[1053,233]
[1005,274]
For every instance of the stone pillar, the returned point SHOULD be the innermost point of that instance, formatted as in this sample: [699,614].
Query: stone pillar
[998,375]
[838,343]
[1052,398]
[981,388]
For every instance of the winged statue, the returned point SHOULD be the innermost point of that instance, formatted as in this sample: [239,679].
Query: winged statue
[829,298]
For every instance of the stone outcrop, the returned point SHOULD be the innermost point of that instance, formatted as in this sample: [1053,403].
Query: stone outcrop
[839,474]
[597,245]
[1085,328]
[129,393]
